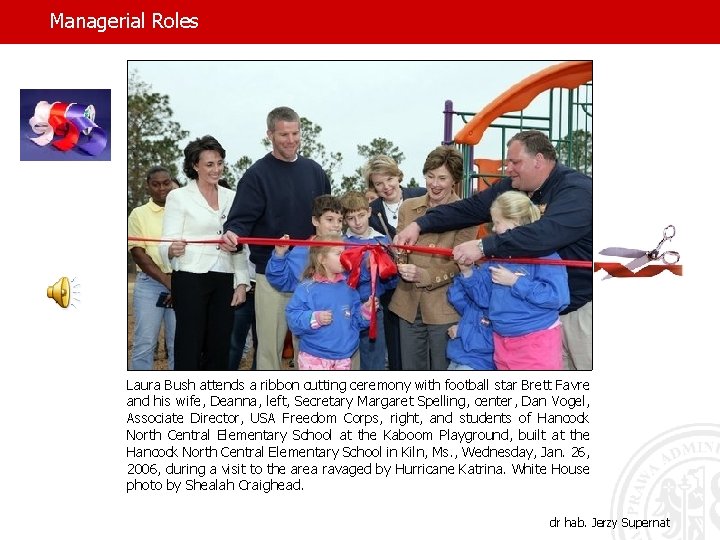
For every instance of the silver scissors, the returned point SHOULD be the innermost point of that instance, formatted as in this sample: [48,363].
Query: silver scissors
[644,257]
[393,254]
[390,251]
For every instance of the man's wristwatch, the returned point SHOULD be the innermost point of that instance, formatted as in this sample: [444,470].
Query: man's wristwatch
[480,247]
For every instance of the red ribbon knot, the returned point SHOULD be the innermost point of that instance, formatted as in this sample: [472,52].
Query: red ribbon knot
[380,265]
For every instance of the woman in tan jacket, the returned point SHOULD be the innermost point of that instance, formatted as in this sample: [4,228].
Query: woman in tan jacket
[420,299]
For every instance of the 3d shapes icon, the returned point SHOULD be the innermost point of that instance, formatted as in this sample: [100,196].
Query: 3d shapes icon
[60,292]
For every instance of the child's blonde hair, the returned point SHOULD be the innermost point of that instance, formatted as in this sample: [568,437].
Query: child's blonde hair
[317,253]
[517,207]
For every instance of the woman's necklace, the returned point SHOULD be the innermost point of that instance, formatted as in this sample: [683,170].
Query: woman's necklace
[391,210]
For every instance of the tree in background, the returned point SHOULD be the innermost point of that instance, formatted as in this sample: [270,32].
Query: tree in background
[349,183]
[412,183]
[234,171]
[380,146]
[581,157]
[312,148]
[153,137]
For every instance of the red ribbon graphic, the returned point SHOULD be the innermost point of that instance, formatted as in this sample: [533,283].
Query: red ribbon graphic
[619,270]
[61,126]
[73,122]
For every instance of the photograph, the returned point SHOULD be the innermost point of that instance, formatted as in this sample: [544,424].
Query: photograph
[375,218]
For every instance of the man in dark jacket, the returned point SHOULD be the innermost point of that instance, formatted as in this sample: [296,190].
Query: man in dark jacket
[275,197]
[564,197]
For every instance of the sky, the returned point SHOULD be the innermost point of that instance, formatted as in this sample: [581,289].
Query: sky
[353,101]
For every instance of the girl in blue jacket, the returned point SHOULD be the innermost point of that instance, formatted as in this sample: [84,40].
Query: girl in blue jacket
[471,340]
[325,312]
[525,299]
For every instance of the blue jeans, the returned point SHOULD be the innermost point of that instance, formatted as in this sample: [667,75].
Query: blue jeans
[148,319]
[372,353]
[244,321]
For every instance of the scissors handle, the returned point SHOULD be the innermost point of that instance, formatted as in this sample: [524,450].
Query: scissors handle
[669,257]
[668,233]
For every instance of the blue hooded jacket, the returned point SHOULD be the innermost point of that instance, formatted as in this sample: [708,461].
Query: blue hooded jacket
[337,340]
[473,344]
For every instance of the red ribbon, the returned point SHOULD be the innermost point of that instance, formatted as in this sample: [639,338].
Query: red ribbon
[380,265]
[380,262]
[447,252]
[619,270]
[61,126]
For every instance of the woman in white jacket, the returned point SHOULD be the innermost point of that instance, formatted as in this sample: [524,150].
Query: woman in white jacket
[206,281]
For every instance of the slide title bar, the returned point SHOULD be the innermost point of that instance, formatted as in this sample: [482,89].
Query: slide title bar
[373,22]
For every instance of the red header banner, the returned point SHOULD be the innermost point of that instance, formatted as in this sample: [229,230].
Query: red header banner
[372,22]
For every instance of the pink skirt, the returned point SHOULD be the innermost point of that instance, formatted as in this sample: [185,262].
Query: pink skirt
[309,362]
[536,350]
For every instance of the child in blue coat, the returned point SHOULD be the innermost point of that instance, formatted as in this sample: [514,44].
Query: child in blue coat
[471,340]
[325,312]
[356,215]
[525,299]
[285,267]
